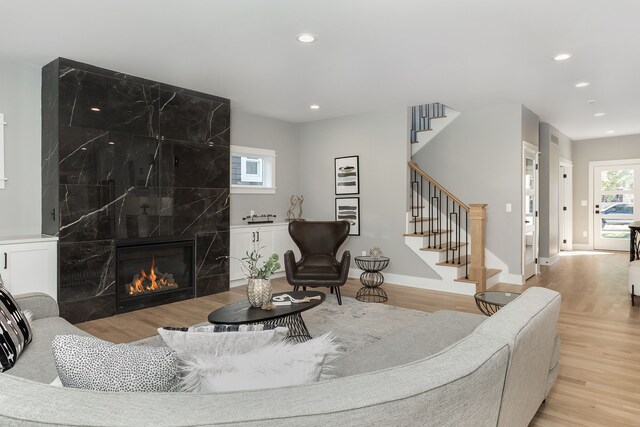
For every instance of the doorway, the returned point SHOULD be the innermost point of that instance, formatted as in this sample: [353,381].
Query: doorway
[615,186]
[530,210]
[565,213]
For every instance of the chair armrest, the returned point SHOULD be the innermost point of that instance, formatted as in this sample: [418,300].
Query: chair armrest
[345,263]
[290,266]
[39,304]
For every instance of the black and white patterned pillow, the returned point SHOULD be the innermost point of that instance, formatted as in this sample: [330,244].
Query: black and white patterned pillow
[93,364]
[15,331]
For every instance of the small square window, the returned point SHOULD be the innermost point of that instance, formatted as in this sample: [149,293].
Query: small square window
[252,170]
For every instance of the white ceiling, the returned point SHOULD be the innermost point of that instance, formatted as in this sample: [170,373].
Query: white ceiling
[370,54]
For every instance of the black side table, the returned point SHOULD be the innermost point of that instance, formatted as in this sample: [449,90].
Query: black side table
[492,301]
[371,278]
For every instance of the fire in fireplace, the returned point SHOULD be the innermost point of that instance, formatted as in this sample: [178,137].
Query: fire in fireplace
[153,271]
[144,283]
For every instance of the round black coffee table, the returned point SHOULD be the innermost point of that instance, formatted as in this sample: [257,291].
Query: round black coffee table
[490,302]
[241,313]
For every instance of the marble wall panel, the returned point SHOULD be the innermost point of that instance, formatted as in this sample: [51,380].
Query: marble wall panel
[87,269]
[194,119]
[88,309]
[186,164]
[212,285]
[210,247]
[199,210]
[124,106]
[96,157]
[88,212]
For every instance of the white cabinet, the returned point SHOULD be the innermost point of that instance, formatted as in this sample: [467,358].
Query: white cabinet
[270,238]
[29,264]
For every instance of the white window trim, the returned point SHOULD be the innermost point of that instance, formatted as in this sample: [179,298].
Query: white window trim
[252,189]
[3,178]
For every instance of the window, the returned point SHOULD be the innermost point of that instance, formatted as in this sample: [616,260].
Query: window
[253,170]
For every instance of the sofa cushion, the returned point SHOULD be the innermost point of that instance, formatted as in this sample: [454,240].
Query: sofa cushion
[15,332]
[274,365]
[216,339]
[93,364]
[36,362]
[437,332]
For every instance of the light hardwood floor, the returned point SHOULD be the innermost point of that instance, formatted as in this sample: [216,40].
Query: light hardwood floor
[599,377]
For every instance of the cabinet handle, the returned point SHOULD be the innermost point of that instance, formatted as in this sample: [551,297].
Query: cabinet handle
[258,235]
[5,260]
[253,237]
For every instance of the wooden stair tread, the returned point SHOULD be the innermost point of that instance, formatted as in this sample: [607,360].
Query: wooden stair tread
[489,272]
[427,234]
[423,219]
[451,245]
[454,262]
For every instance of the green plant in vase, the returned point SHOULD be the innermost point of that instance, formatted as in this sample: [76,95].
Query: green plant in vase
[259,288]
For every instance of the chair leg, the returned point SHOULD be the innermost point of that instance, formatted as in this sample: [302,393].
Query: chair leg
[295,288]
[338,295]
[304,288]
[331,289]
[633,296]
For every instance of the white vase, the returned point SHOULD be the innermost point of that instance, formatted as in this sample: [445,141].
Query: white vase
[259,292]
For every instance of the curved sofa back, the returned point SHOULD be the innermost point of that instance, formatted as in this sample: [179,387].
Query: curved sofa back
[461,385]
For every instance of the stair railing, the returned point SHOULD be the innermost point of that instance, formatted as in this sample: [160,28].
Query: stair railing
[456,213]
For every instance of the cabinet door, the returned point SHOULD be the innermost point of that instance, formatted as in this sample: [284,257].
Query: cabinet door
[282,243]
[31,268]
[266,238]
[239,243]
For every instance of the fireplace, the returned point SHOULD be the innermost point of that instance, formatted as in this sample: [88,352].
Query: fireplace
[150,272]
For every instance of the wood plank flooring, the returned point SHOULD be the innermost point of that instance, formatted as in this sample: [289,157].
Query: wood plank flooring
[599,377]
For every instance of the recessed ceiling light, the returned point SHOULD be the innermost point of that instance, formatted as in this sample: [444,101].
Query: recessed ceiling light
[591,101]
[582,84]
[306,38]
[562,57]
[96,109]
[599,114]
[314,106]
[611,131]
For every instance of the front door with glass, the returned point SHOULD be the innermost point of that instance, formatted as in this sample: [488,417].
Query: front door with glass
[615,189]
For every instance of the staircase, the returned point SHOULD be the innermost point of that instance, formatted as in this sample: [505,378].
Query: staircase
[427,120]
[443,231]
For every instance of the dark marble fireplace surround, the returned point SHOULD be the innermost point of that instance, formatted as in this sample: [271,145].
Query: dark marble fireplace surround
[153,162]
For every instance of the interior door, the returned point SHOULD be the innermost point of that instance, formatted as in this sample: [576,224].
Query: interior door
[615,189]
[530,210]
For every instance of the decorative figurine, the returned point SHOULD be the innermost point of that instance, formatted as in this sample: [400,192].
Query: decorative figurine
[375,252]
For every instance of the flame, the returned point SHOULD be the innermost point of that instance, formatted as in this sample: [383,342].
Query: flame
[144,283]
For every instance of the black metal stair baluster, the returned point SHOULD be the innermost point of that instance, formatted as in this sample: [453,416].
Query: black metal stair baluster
[421,207]
[414,195]
[430,217]
[439,218]
[448,228]
[458,235]
[466,238]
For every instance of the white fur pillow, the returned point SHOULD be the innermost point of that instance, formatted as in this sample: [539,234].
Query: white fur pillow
[275,365]
[207,340]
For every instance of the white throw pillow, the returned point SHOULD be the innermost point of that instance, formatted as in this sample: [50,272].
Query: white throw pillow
[93,364]
[275,365]
[211,339]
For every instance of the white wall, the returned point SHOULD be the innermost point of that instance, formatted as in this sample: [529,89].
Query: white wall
[478,157]
[20,203]
[380,139]
[250,130]
[585,151]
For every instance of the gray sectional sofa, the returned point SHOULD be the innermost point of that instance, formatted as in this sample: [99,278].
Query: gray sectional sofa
[498,373]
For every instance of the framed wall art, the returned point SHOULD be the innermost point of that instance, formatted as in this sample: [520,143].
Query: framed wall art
[347,172]
[348,209]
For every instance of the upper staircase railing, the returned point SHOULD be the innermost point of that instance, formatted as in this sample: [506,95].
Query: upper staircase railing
[442,203]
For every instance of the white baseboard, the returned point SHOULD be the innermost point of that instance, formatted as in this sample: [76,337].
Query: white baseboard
[511,279]
[550,261]
[582,247]
[422,283]
[243,281]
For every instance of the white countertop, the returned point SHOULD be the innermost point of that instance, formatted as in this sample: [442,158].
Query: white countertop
[265,224]
[30,238]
